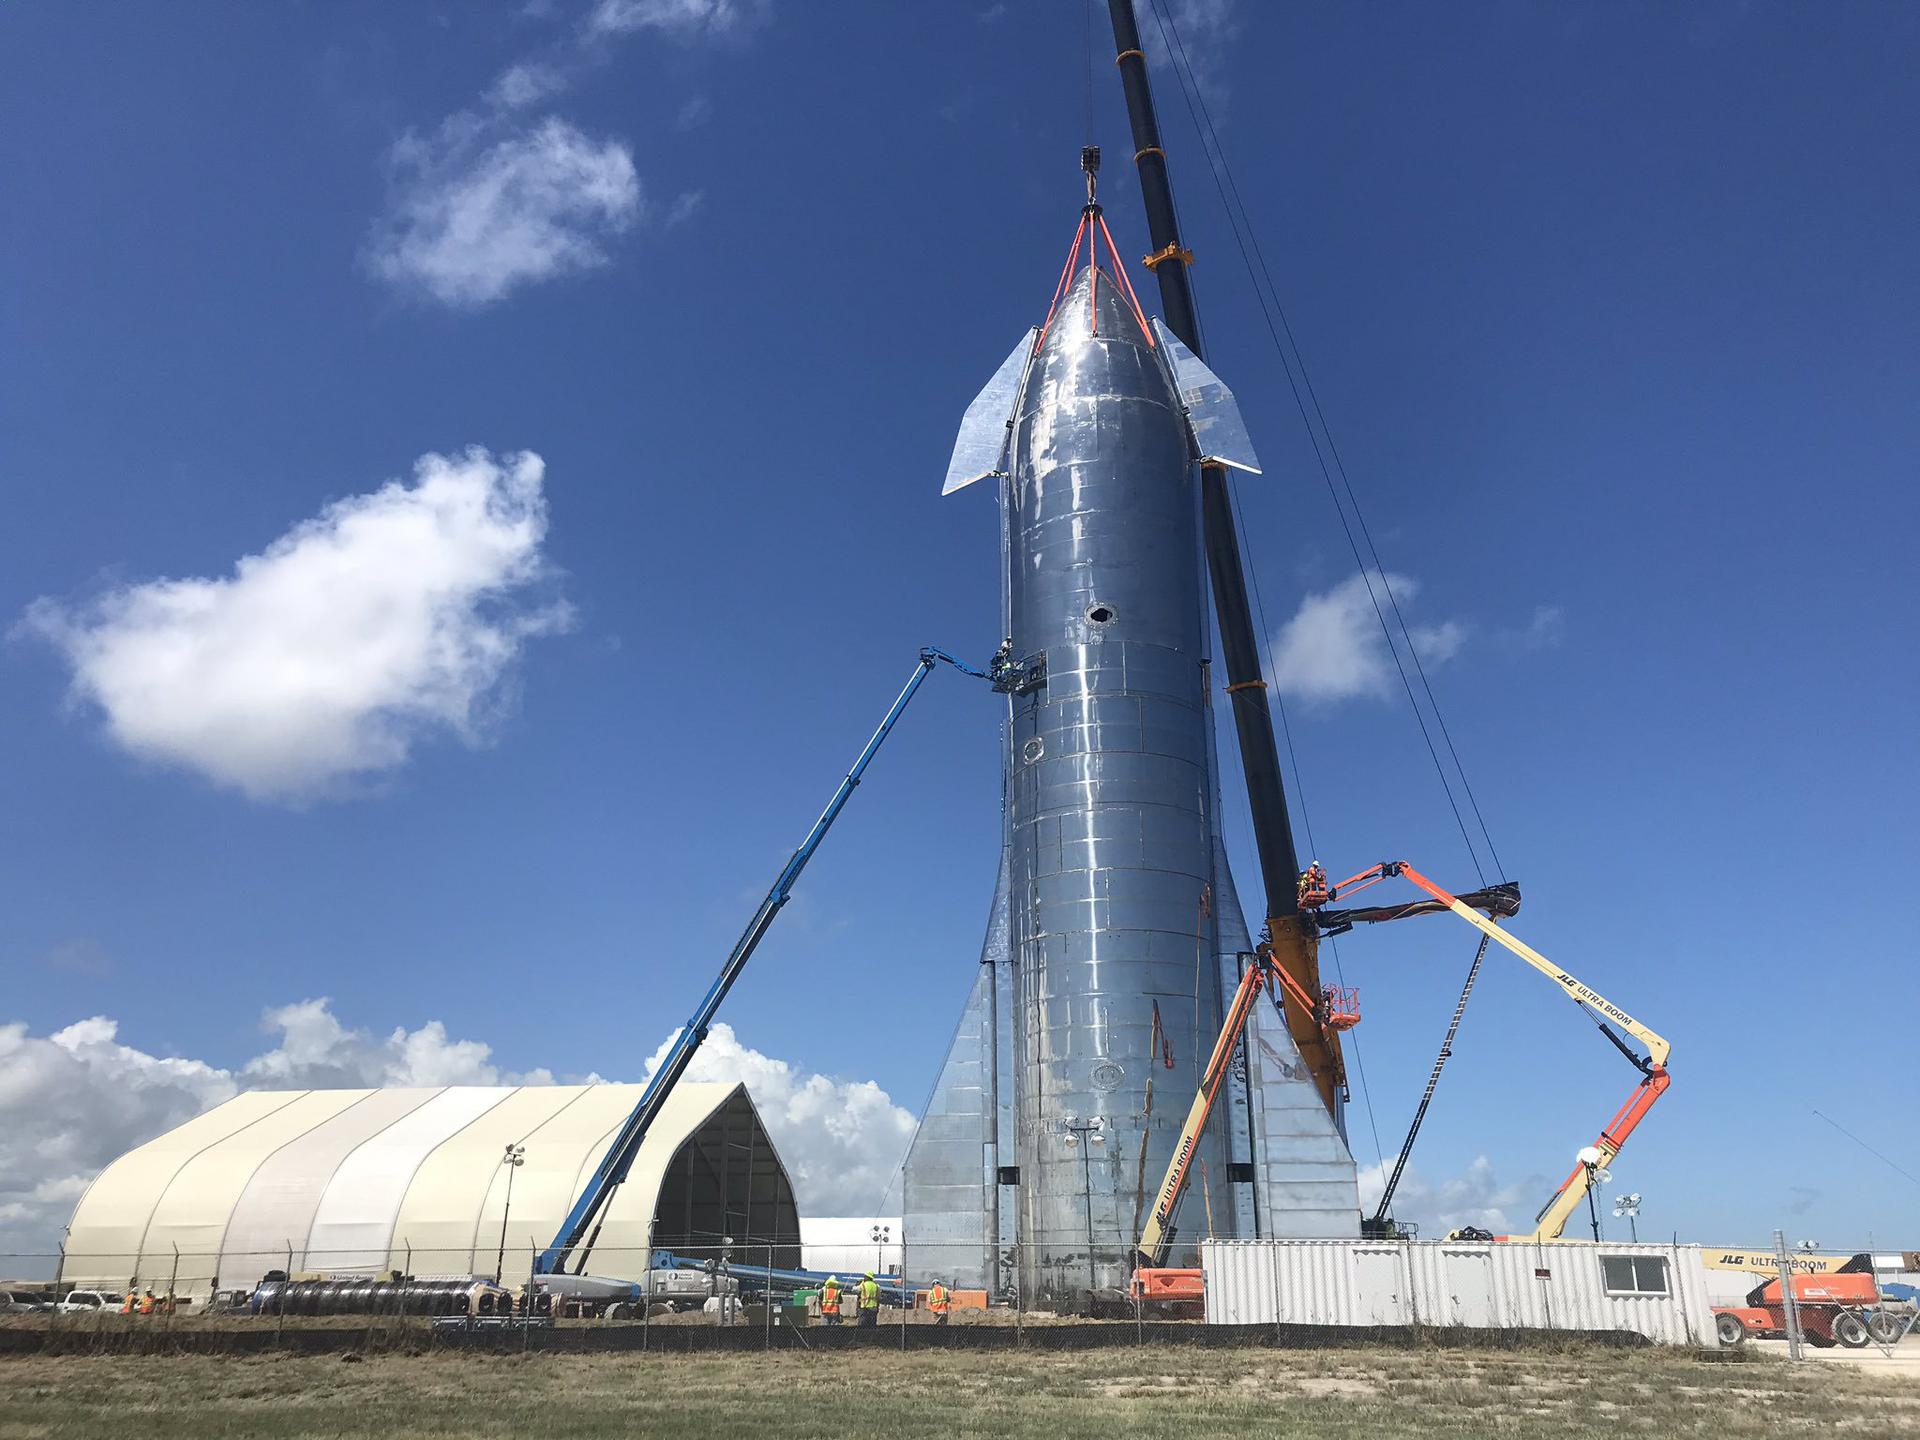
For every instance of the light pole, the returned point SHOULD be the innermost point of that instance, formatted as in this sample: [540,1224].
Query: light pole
[1086,1134]
[882,1236]
[1629,1206]
[515,1157]
[1597,1174]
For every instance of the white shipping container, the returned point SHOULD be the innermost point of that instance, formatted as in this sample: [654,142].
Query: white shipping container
[1659,1291]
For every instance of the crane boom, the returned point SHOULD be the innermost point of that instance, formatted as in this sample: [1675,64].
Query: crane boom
[1336,1010]
[582,1225]
[1552,1219]
[1266,971]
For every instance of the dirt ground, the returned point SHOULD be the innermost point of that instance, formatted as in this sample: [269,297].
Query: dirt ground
[1902,1361]
[1091,1395]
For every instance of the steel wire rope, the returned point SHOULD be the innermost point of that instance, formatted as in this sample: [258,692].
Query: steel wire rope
[1236,218]
[1190,95]
[1270,304]
[1087,43]
[1306,816]
[1346,483]
[1271,676]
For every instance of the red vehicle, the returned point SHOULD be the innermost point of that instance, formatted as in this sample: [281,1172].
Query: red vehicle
[1832,1311]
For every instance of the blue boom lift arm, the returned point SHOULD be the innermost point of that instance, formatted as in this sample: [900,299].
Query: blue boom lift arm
[582,1226]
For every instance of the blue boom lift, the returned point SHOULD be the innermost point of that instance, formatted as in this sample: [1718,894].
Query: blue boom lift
[582,1226]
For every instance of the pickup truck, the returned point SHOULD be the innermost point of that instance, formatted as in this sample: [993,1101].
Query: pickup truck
[91,1302]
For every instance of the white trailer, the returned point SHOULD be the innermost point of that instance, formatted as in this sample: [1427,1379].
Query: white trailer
[1659,1291]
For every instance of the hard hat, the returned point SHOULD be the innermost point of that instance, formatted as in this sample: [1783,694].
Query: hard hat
[869,1275]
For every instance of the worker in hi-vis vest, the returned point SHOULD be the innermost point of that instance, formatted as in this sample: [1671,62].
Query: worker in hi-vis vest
[830,1300]
[940,1302]
[869,1300]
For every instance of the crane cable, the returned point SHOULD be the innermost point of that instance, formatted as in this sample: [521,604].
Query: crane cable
[1270,306]
[1251,252]
[1433,1083]
[1280,704]
[1306,817]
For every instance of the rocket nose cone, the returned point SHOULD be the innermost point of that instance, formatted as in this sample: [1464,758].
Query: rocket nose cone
[1094,308]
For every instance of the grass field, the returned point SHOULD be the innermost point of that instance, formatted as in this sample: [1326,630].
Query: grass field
[1097,1395]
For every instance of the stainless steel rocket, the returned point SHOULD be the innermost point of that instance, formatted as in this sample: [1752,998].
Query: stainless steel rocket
[1115,915]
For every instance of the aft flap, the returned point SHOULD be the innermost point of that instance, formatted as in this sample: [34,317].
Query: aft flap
[980,449]
[1213,415]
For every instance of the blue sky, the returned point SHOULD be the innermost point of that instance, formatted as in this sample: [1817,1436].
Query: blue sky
[1612,310]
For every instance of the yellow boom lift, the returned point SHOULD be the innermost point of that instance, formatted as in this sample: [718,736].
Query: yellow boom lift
[1337,1009]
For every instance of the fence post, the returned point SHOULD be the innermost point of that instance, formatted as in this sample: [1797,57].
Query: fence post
[526,1319]
[1273,1259]
[173,1281]
[1019,1298]
[280,1329]
[1789,1302]
[59,1276]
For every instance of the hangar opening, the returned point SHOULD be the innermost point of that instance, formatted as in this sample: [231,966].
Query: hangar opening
[726,1183]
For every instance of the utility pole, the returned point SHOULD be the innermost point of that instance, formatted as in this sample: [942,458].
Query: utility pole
[1597,1174]
[515,1157]
[1086,1134]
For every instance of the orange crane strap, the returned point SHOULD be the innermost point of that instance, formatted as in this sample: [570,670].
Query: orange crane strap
[1240,685]
[1124,55]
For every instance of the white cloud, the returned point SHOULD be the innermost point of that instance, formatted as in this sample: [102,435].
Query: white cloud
[329,655]
[1546,629]
[1333,649]
[684,208]
[842,1140]
[695,113]
[72,1101]
[1201,34]
[317,1052]
[1473,1197]
[526,83]
[682,19]
[481,207]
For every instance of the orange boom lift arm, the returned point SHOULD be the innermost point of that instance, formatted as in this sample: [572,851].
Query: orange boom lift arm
[1337,1009]
[1654,1079]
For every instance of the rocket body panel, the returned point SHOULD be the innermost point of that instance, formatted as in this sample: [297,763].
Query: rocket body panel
[1110,837]
[1120,924]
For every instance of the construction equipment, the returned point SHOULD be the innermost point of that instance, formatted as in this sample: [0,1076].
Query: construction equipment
[1833,1309]
[1594,1159]
[582,1225]
[1289,934]
[1336,1009]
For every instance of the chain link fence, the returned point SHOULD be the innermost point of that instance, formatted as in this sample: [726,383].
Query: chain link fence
[750,1293]
[732,1295]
